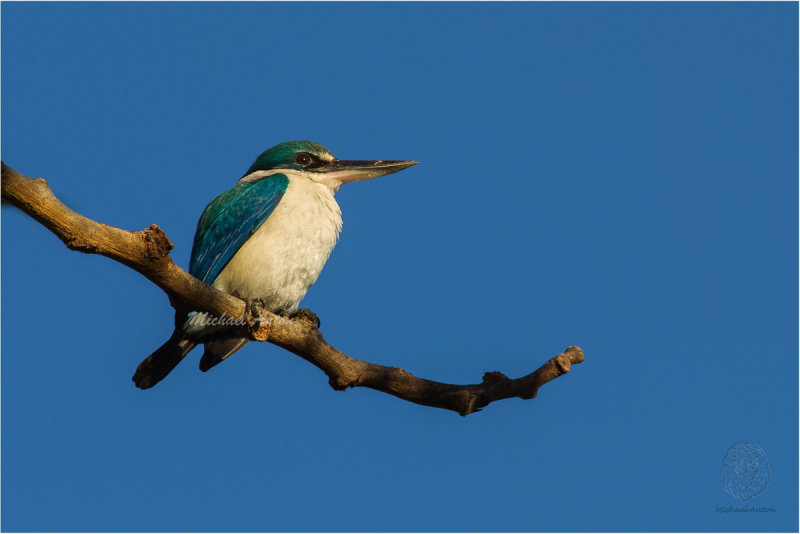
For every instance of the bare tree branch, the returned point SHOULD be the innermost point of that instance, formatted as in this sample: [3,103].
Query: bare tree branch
[147,252]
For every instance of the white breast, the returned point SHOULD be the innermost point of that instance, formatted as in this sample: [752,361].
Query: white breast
[286,254]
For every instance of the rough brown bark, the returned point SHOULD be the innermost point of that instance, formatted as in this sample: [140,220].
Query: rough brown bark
[147,252]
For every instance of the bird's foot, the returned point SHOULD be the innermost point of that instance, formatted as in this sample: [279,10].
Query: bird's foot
[304,314]
[258,329]
[253,309]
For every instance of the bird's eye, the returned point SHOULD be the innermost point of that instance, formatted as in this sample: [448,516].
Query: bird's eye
[302,158]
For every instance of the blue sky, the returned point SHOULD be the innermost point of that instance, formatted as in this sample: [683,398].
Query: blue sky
[621,177]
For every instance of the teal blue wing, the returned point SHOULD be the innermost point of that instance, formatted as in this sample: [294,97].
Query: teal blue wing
[229,220]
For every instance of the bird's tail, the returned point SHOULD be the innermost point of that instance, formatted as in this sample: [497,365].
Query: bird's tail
[159,364]
[219,349]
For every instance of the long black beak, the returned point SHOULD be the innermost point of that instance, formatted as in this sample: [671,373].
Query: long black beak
[353,171]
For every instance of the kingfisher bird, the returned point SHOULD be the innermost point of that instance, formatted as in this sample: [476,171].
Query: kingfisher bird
[265,240]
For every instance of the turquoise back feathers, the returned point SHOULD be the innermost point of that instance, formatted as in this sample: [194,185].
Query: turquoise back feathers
[229,220]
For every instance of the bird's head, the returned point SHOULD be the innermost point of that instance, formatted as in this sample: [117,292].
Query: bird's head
[318,164]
